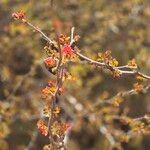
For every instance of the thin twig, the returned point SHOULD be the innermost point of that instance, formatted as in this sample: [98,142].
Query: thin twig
[40,31]
[122,95]
[110,67]
[72,35]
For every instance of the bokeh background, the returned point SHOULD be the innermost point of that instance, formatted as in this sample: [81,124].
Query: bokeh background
[121,26]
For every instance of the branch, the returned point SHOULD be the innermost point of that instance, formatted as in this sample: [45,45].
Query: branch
[122,95]
[40,31]
[58,85]
[110,67]
[91,61]
[108,135]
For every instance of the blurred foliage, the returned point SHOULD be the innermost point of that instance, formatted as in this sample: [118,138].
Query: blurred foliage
[121,26]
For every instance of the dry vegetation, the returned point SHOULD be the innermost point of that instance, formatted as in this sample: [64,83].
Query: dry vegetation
[74,75]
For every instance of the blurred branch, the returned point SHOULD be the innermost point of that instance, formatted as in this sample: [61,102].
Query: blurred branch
[51,2]
[145,117]
[84,112]
[122,95]
[79,107]
[108,135]
[33,140]
[122,117]
[19,84]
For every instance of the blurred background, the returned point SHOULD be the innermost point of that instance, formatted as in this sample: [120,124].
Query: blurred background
[121,26]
